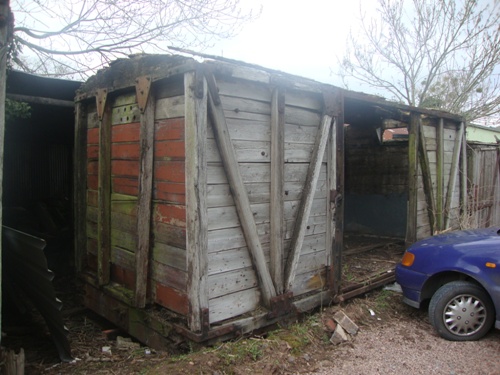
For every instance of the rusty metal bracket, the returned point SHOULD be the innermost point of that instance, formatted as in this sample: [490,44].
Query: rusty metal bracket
[282,305]
[142,89]
[101,95]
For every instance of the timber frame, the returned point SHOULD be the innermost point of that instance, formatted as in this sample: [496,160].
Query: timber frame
[210,195]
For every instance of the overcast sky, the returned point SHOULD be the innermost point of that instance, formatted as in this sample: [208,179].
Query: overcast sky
[298,37]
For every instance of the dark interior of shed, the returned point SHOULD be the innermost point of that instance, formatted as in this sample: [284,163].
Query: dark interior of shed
[37,208]
[376,189]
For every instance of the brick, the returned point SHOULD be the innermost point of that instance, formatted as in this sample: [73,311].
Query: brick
[342,319]
[339,336]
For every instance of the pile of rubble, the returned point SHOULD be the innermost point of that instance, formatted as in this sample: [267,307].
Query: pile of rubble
[342,326]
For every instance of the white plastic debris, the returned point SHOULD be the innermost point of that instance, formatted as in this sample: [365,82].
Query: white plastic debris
[372,313]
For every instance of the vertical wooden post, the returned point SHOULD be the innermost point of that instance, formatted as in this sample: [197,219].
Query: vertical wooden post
[6,22]
[338,244]
[464,173]
[454,171]
[277,178]
[104,189]
[413,140]
[146,102]
[80,185]
[440,175]
[195,91]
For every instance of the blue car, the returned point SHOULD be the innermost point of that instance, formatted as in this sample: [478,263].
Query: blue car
[458,275]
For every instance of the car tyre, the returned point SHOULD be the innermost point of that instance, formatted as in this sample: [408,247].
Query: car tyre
[461,311]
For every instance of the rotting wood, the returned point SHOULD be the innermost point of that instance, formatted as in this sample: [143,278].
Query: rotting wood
[413,141]
[427,178]
[80,184]
[146,101]
[454,171]
[306,201]
[196,199]
[277,187]
[104,188]
[239,193]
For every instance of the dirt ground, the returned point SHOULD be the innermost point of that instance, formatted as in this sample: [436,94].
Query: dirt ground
[393,338]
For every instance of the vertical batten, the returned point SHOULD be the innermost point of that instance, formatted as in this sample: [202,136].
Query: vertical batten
[440,176]
[277,178]
[104,189]
[195,88]
[413,141]
[80,185]
[145,192]
[454,171]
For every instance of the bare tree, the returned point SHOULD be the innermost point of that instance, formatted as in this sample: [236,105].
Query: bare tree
[432,53]
[78,36]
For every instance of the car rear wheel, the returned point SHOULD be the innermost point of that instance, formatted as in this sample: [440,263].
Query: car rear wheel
[461,311]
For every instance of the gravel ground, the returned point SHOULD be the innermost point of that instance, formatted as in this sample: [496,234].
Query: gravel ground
[412,347]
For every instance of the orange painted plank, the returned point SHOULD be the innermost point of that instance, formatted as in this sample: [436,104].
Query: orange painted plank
[92,182]
[93,136]
[170,129]
[122,276]
[128,186]
[126,132]
[127,151]
[170,192]
[172,299]
[125,168]
[171,171]
[92,152]
[170,214]
[170,150]
[93,167]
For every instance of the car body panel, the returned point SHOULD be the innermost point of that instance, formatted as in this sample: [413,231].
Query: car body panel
[460,253]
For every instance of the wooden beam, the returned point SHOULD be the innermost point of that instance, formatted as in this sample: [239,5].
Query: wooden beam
[427,178]
[454,172]
[80,185]
[42,100]
[146,168]
[195,87]
[104,190]
[337,247]
[440,176]
[330,208]
[464,176]
[306,201]
[239,193]
[413,136]
[277,182]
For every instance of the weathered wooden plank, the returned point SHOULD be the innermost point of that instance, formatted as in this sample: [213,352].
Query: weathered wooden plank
[80,200]
[169,234]
[303,99]
[126,132]
[169,276]
[170,107]
[453,175]
[196,196]
[124,114]
[301,117]
[169,255]
[233,281]
[241,199]
[277,183]
[309,281]
[244,90]
[413,142]
[233,305]
[232,259]
[147,142]
[104,189]
[230,238]
[464,173]
[230,103]
[307,200]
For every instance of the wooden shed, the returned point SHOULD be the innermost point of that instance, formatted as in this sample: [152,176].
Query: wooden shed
[214,197]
